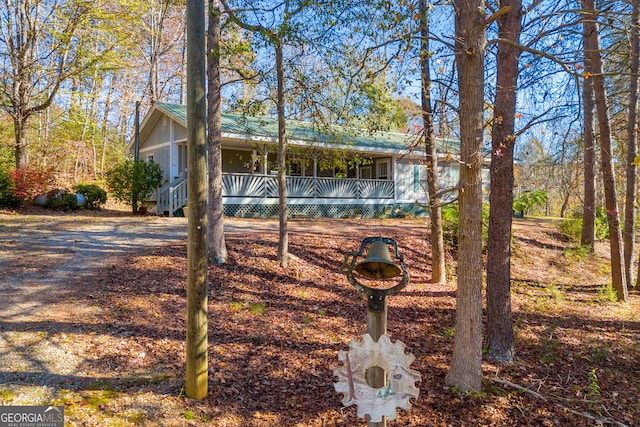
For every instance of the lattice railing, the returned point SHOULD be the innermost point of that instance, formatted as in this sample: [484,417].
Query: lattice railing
[173,196]
[245,185]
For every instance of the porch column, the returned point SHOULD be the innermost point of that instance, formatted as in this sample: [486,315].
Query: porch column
[394,177]
[315,165]
[265,168]
[254,159]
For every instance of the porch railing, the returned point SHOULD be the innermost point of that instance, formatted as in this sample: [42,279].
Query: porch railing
[172,196]
[266,186]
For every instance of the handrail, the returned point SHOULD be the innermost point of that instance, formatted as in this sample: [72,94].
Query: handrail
[172,196]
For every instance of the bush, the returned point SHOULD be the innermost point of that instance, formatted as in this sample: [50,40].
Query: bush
[30,181]
[63,201]
[450,219]
[572,227]
[133,181]
[7,198]
[96,196]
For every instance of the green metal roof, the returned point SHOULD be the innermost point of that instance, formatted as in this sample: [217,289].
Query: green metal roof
[307,134]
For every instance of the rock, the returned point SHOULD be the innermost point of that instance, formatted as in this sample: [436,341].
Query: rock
[41,200]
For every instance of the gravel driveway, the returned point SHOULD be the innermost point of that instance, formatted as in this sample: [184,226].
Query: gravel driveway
[43,258]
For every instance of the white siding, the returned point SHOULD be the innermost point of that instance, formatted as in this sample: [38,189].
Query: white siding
[409,181]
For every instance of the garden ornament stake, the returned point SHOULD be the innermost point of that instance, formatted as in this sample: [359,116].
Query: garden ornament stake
[376,374]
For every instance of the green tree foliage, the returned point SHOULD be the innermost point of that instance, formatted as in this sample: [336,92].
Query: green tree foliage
[44,44]
[528,200]
[133,181]
[383,112]
[7,197]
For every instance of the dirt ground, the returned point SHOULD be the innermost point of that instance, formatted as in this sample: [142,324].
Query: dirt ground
[92,313]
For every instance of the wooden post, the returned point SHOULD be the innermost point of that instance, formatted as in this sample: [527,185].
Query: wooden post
[197,266]
[376,327]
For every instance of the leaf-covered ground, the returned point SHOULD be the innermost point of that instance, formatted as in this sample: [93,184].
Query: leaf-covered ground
[274,337]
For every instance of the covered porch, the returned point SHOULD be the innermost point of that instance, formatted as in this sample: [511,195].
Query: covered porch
[257,195]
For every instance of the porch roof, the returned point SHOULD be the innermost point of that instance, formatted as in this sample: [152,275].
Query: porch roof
[265,130]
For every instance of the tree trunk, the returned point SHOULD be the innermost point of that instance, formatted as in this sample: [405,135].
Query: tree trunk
[565,203]
[629,233]
[197,337]
[217,245]
[588,237]
[283,242]
[465,371]
[608,176]
[105,121]
[19,125]
[438,270]
[500,340]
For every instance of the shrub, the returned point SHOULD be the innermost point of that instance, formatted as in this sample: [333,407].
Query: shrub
[133,181]
[450,219]
[7,198]
[63,201]
[450,225]
[96,196]
[30,181]
[572,227]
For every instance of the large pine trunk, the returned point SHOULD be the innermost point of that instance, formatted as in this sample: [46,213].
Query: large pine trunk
[608,176]
[438,268]
[217,244]
[589,209]
[629,233]
[499,318]
[197,338]
[465,372]
[283,241]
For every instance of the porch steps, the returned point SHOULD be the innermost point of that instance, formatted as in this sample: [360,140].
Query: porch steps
[172,197]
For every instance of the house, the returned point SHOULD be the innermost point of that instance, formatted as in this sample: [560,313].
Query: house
[331,173]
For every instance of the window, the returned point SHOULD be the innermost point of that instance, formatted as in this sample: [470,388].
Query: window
[182,159]
[383,169]
[365,172]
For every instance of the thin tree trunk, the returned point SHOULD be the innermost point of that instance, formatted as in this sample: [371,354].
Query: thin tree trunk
[465,371]
[197,337]
[438,268]
[608,176]
[588,237]
[283,241]
[19,125]
[217,246]
[500,340]
[629,233]
[565,203]
[105,121]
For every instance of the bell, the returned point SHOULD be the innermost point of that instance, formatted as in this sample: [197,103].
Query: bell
[378,263]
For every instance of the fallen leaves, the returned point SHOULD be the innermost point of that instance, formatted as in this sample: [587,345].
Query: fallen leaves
[274,336]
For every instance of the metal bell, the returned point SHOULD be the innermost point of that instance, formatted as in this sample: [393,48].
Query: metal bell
[378,263]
